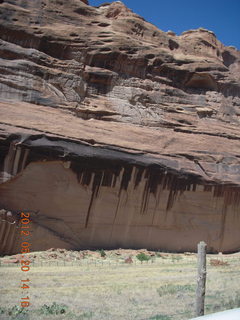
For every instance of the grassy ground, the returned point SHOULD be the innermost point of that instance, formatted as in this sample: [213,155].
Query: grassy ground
[77,285]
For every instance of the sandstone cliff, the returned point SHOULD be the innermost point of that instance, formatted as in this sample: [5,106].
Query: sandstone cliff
[114,133]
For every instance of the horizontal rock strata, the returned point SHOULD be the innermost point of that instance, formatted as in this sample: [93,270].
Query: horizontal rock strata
[114,133]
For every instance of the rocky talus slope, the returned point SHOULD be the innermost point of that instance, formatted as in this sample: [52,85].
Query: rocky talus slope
[114,133]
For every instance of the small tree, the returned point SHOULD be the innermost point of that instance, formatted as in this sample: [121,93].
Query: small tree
[102,253]
[142,257]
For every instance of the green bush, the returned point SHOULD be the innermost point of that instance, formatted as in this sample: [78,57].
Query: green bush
[2,310]
[54,309]
[142,257]
[16,310]
[102,253]
[15,313]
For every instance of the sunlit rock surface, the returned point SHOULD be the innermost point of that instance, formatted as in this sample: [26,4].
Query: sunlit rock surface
[114,133]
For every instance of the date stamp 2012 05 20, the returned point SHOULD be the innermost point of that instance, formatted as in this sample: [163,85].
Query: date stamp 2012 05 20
[25,233]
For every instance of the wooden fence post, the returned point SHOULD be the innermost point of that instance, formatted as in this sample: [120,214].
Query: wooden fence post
[201,279]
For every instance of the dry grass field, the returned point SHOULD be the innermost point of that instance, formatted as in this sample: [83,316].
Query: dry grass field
[89,285]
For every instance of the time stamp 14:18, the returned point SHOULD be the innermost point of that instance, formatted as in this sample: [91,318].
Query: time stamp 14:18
[25,223]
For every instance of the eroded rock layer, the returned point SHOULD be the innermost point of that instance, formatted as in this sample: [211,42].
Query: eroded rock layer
[79,196]
[114,133]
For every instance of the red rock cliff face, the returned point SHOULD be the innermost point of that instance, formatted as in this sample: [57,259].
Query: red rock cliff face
[114,133]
